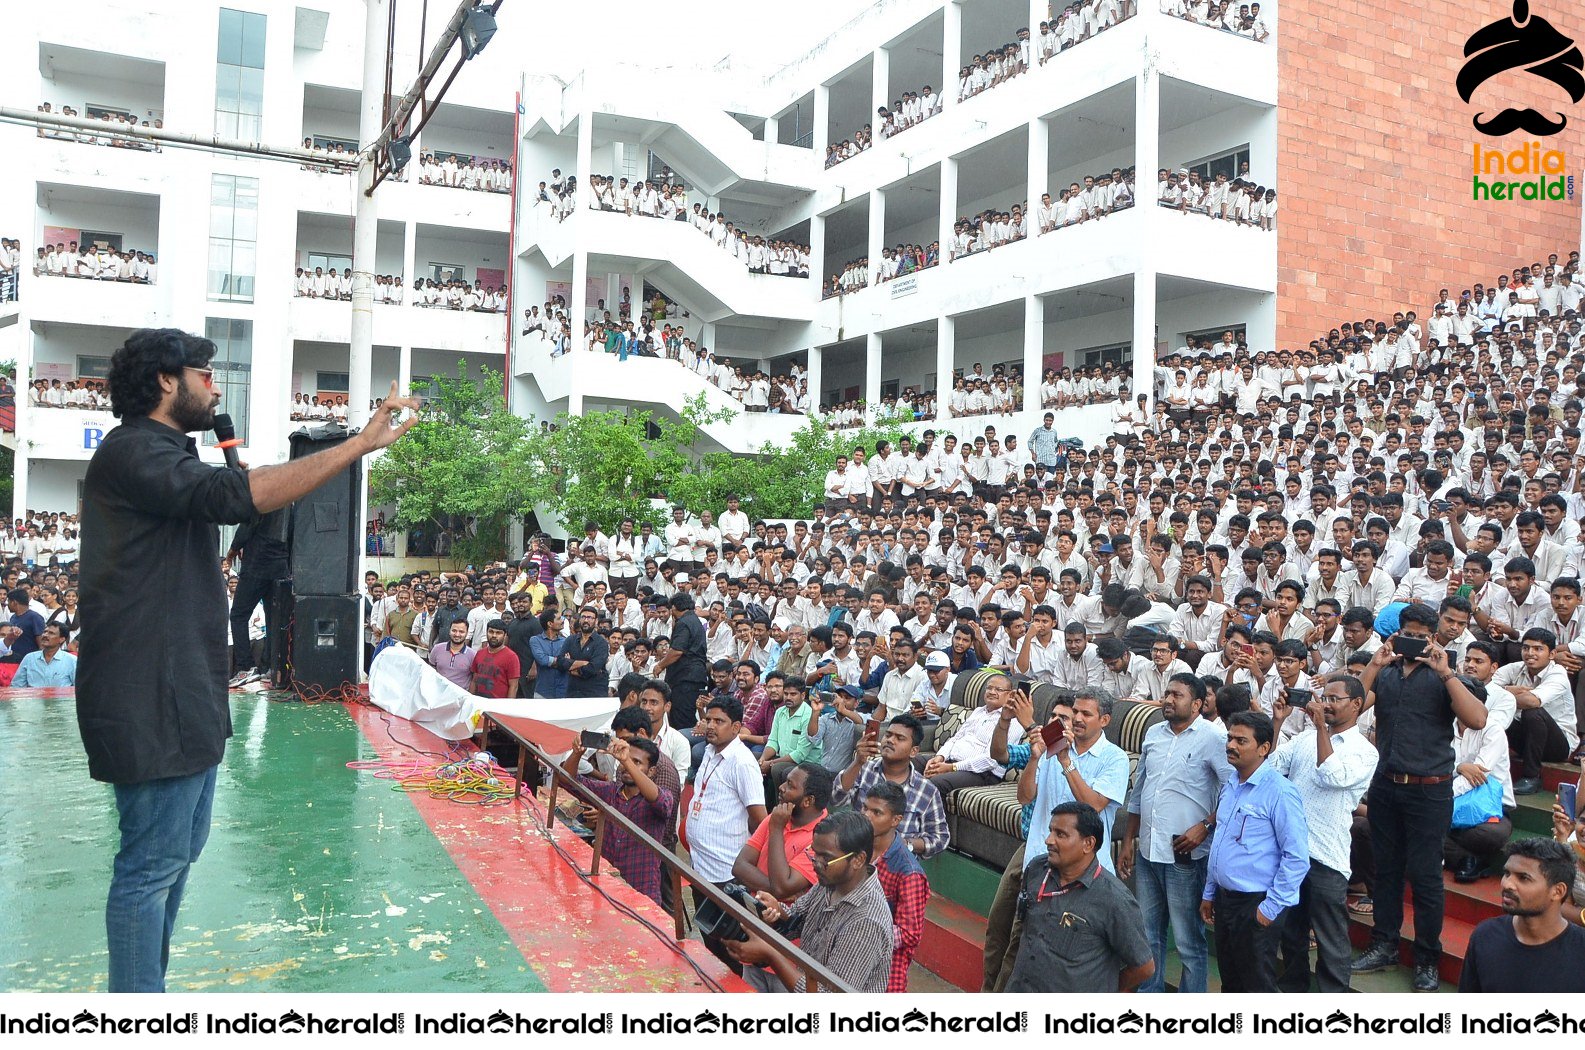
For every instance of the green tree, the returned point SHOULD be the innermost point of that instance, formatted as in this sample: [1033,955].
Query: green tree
[606,466]
[779,481]
[467,456]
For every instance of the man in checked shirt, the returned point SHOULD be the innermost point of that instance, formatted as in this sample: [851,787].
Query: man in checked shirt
[902,878]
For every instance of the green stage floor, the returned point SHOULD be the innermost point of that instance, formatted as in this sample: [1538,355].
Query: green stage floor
[316,878]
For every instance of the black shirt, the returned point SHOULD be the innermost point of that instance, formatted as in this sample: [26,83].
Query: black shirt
[518,633]
[1497,962]
[154,658]
[1078,937]
[1414,722]
[263,551]
[445,616]
[592,680]
[689,674]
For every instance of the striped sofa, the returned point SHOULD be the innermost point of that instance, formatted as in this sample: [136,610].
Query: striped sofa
[983,821]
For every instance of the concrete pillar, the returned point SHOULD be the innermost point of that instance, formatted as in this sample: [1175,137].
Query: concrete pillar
[877,240]
[880,83]
[579,306]
[949,205]
[409,259]
[1147,151]
[951,52]
[404,368]
[1147,135]
[1034,349]
[817,249]
[814,378]
[946,354]
[613,293]
[822,120]
[1038,171]
[1144,336]
[872,374]
[772,130]
[707,335]
[21,468]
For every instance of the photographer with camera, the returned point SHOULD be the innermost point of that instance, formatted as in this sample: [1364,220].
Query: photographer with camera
[843,923]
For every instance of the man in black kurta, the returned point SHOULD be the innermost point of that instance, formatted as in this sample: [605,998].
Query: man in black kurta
[151,679]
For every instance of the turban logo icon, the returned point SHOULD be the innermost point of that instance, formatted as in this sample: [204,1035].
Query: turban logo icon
[1532,44]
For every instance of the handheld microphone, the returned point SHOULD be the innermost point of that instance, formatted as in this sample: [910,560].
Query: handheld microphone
[227,440]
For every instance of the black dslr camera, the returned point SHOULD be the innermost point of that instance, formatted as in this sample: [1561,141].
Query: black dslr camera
[715,921]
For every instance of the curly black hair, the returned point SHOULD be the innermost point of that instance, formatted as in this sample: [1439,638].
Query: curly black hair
[136,367]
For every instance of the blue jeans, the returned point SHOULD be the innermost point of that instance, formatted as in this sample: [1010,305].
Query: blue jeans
[164,825]
[1170,893]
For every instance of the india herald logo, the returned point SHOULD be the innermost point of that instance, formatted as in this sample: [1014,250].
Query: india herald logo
[1531,43]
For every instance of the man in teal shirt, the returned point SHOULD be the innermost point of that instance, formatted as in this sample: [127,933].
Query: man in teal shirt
[792,732]
[48,667]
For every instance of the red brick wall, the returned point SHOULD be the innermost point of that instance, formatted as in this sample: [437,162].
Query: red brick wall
[1374,159]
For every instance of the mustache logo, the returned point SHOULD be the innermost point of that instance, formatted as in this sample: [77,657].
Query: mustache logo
[1532,44]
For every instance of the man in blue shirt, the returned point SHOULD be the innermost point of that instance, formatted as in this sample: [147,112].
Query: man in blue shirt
[48,668]
[1083,767]
[22,631]
[1259,858]
[1165,845]
[1043,444]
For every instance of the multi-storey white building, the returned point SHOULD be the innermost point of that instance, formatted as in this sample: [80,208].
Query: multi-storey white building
[1151,91]
[228,233]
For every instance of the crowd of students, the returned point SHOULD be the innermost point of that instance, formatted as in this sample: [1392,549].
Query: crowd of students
[1385,521]
[68,393]
[486,174]
[95,262]
[109,137]
[1073,24]
[668,200]
[1246,20]
[389,290]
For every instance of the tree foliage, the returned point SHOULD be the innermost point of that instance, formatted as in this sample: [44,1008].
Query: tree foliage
[470,456]
[606,466]
[779,481]
[467,456]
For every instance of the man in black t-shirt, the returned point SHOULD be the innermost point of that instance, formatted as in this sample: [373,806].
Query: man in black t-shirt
[1532,947]
[684,664]
[519,629]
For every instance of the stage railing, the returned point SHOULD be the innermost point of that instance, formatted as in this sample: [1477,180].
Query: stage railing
[816,976]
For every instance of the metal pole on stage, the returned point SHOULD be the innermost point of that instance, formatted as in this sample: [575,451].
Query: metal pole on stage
[365,233]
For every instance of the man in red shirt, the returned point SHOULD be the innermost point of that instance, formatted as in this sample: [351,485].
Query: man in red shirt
[496,669]
[902,879]
[775,858]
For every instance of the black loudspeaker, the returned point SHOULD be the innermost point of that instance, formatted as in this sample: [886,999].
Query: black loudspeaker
[326,636]
[278,646]
[324,530]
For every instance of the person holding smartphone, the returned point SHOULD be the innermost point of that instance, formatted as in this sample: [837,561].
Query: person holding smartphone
[1410,800]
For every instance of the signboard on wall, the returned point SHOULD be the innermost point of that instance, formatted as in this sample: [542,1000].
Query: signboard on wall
[904,286]
[53,370]
[490,278]
[60,235]
[66,433]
